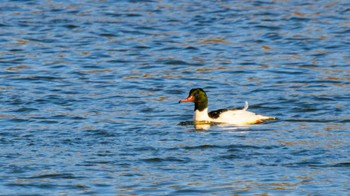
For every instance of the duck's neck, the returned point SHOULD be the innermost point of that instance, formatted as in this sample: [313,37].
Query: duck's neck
[201,105]
[201,115]
[201,109]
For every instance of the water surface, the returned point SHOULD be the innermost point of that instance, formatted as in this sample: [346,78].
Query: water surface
[89,92]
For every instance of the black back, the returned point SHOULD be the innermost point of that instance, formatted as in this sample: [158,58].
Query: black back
[215,114]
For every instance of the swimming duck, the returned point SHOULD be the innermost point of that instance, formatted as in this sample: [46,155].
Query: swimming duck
[227,116]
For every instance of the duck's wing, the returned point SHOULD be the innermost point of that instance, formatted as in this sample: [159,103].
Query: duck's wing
[215,114]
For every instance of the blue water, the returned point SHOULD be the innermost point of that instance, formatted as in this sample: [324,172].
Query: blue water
[89,92]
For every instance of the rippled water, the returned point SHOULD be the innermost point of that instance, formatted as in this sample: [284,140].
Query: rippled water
[89,91]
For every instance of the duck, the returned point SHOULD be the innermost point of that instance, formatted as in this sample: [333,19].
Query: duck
[226,116]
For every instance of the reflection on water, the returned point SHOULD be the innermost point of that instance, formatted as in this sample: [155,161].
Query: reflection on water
[204,125]
[88,96]
[197,125]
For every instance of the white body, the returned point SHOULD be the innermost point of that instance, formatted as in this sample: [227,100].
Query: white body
[236,117]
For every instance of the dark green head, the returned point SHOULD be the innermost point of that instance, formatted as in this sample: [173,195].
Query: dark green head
[199,97]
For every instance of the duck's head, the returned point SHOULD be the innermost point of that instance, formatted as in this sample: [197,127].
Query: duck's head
[199,97]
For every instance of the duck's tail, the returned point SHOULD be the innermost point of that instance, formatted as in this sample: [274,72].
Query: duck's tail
[246,105]
[261,118]
[267,117]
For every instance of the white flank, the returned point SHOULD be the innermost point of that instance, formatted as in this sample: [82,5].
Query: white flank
[234,117]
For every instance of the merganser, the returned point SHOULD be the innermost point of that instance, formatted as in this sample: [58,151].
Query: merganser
[226,116]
